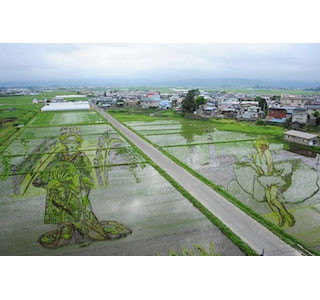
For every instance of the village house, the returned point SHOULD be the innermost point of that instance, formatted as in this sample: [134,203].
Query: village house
[149,103]
[277,115]
[132,102]
[251,113]
[301,137]
[300,116]
[295,100]
[231,105]
[164,104]
[207,110]
[311,109]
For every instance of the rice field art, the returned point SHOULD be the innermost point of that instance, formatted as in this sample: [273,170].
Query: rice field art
[74,186]
[64,172]
[276,183]
[275,180]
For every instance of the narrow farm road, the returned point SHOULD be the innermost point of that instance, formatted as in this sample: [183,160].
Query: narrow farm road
[250,231]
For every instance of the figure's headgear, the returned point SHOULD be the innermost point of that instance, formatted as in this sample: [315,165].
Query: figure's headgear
[260,143]
[66,132]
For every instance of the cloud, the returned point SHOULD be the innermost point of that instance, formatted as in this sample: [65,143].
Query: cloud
[159,61]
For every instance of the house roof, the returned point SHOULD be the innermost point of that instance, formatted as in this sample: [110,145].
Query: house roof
[61,106]
[301,134]
[312,106]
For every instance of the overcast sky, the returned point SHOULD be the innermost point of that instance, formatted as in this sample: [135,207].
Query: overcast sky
[34,62]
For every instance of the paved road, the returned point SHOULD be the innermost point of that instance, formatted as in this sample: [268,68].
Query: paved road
[249,230]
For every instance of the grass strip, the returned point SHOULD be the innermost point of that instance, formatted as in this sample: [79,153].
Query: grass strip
[16,134]
[208,143]
[269,225]
[67,125]
[57,136]
[95,167]
[82,149]
[244,247]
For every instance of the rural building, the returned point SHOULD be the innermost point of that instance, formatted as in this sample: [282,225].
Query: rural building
[149,103]
[62,97]
[64,106]
[276,114]
[251,113]
[164,104]
[301,137]
[230,105]
[300,117]
[311,109]
[295,100]
[207,110]
[132,102]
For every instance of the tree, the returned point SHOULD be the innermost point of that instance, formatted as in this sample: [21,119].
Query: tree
[262,103]
[200,100]
[189,103]
[316,114]
[174,103]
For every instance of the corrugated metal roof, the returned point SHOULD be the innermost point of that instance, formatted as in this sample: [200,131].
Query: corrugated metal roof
[61,106]
[301,134]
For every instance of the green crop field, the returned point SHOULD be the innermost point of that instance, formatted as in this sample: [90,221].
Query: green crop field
[12,116]
[231,155]
[46,119]
[28,99]
[79,157]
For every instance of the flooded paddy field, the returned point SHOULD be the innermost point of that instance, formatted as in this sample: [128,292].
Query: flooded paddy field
[82,190]
[281,185]
[160,218]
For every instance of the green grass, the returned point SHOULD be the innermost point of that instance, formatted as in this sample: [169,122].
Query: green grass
[247,127]
[6,132]
[41,96]
[47,119]
[139,114]
[21,115]
[18,99]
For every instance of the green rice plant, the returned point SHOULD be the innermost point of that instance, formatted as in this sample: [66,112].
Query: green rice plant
[133,157]
[186,252]
[41,165]
[6,161]
[105,142]
[200,251]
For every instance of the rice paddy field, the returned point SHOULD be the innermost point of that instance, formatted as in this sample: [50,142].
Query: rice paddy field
[13,116]
[22,100]
[66,118]
[251,164]
[79,157]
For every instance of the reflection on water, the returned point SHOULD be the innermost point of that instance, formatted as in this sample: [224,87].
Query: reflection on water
[302,151]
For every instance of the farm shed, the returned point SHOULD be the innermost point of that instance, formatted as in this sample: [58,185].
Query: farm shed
[65,106]
[301,137]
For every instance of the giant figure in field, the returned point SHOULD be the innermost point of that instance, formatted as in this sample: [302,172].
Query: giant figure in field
[276,183]
[68,183]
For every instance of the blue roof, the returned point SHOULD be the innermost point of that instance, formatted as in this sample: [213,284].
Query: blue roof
[278,120]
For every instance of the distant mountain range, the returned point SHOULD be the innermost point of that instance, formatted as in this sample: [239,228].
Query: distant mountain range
[183,83]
